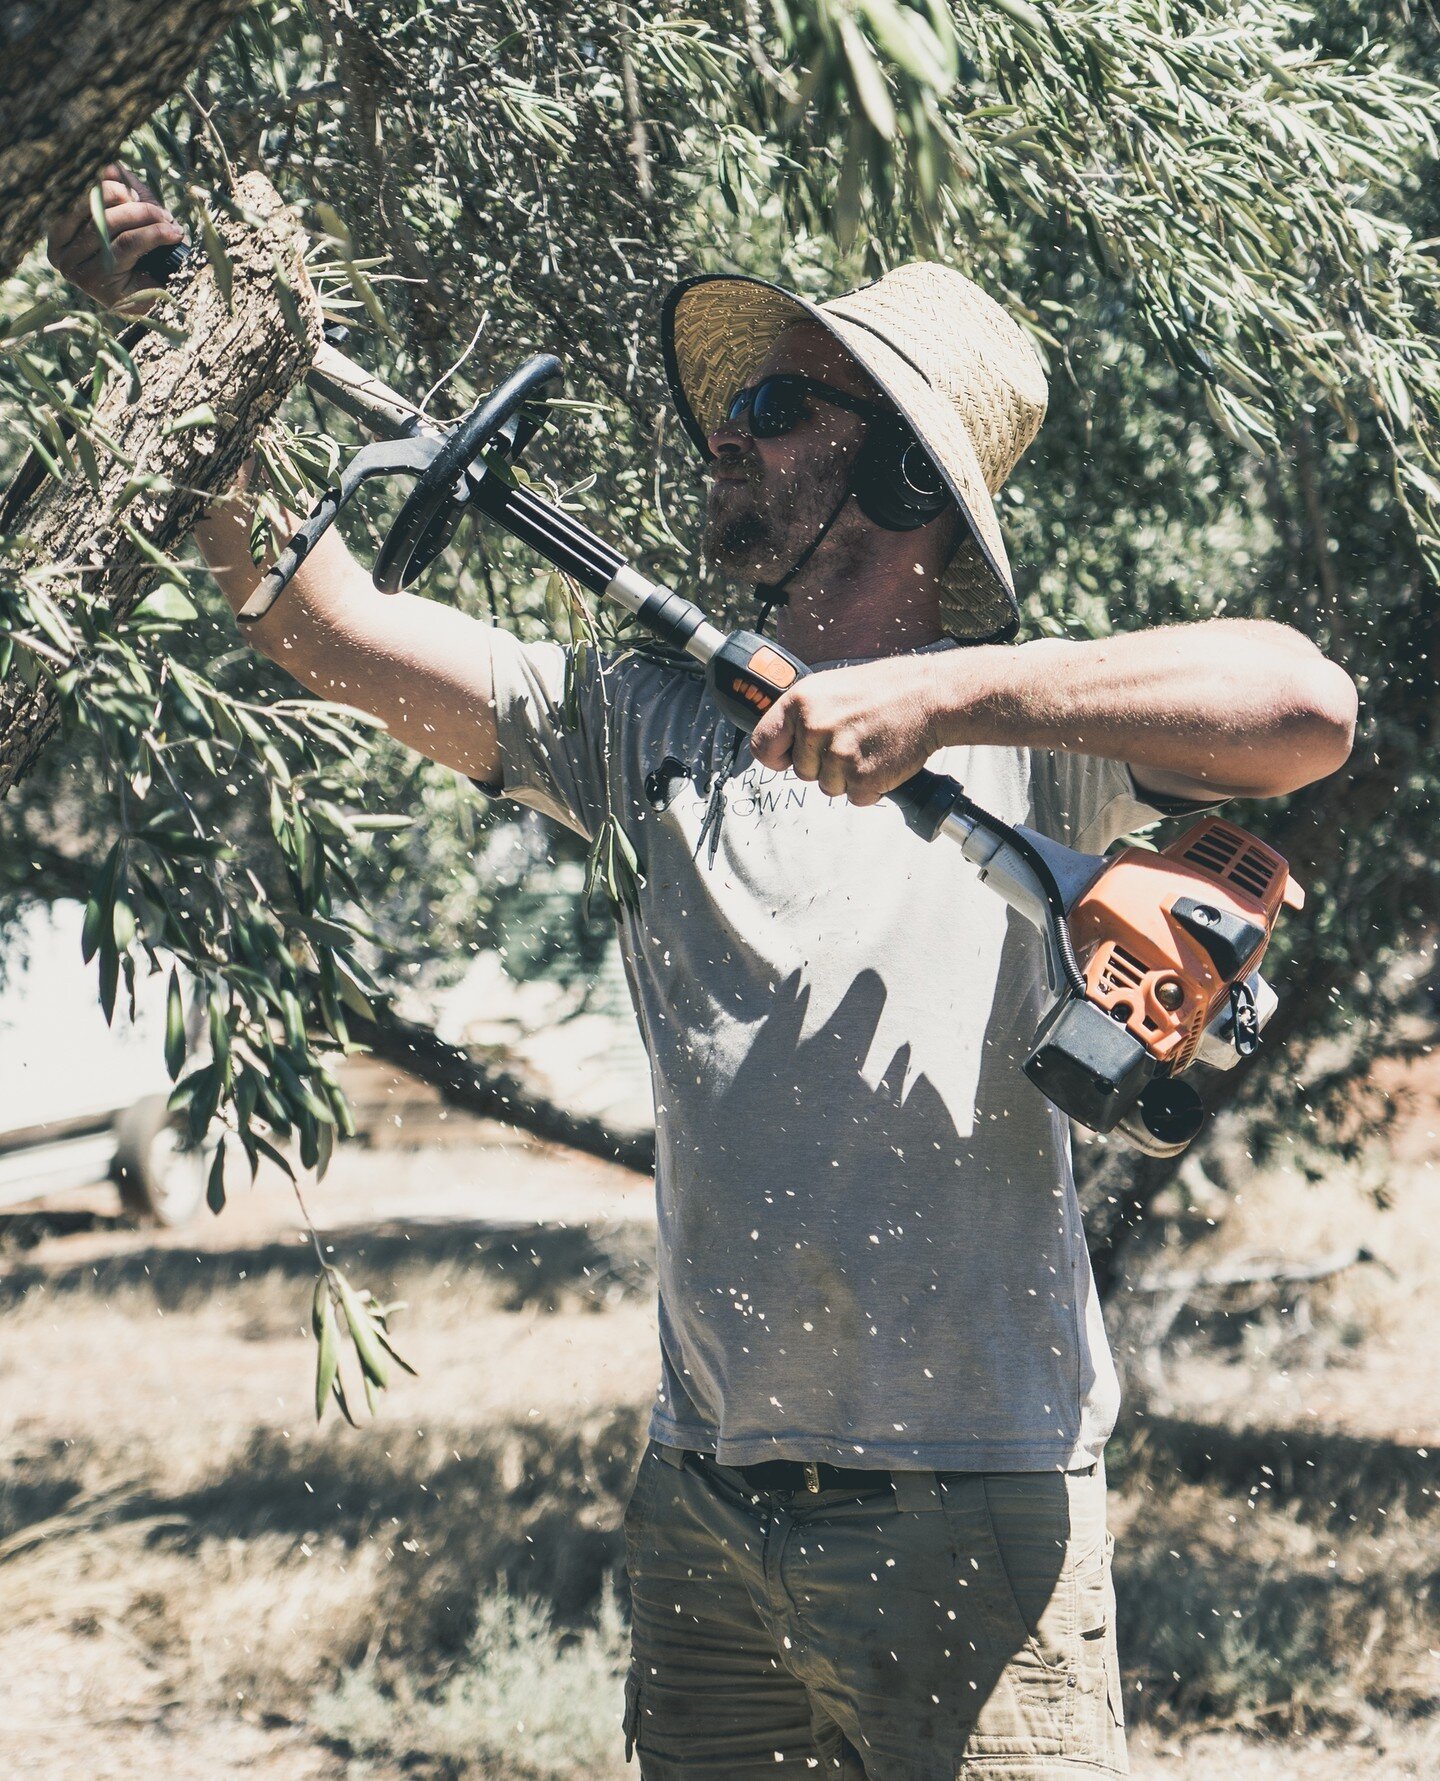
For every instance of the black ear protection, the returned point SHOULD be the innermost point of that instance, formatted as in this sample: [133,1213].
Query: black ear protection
[896,483]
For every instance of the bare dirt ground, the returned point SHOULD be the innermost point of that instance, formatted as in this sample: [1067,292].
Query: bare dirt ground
[187,1565]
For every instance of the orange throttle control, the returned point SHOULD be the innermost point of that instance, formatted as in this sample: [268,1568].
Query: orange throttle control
[747,675]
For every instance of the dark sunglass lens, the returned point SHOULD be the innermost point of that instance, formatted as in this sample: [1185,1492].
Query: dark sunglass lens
[778,406]
[739,402]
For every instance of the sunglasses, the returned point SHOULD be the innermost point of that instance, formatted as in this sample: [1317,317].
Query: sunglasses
[778,404]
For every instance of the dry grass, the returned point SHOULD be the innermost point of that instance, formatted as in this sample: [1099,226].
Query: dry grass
[527,1704]
[1272,1617]
[190,1569]
[1344,1353]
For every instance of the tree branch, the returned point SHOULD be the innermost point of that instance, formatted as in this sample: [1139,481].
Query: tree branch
[239,358]
[495,1094]
[1252,1274]
[634,113]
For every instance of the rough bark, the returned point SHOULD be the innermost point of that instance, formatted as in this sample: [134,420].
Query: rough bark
[76,77]
[240,358]
[474,1087]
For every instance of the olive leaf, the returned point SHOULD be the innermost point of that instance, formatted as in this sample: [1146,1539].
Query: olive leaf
[614,867]
[215,1182]
[327,1353]
[174,1025]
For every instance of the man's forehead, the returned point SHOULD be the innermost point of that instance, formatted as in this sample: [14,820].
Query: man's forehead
[813,351]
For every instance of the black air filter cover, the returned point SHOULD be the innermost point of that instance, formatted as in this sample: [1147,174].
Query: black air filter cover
[1088,1064]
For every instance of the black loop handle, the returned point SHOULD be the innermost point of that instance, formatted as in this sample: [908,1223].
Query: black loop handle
[404,553]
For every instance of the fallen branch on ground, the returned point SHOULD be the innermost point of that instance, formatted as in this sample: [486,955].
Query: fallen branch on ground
[462,1081]
[1252,1274]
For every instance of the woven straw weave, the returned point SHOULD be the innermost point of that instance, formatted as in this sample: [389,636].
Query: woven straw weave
[949,358]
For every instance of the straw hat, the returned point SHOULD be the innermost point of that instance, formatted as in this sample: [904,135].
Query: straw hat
[949,358]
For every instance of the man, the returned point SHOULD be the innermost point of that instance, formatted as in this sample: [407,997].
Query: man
[868,1534]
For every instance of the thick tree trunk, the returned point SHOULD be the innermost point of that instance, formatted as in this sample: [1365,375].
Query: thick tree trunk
[76,77]
[240,358]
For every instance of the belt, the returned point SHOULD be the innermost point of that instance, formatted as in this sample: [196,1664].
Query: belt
[796,1477]
[803,1477]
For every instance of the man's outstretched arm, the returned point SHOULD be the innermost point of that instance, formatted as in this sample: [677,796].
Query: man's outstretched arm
[422,668]
[1224,708]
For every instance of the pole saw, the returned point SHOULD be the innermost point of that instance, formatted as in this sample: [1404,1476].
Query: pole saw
[1153,958]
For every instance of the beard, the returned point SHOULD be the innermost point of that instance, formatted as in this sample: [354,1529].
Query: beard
[741,533]
[757,528]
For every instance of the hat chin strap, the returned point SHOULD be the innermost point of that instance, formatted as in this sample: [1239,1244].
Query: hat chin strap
[771,594]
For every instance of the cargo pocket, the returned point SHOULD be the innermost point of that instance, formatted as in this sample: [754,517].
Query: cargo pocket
[1022,1688]
[1100,1721]
[637,1510]
[1094,1625]
[631,1721]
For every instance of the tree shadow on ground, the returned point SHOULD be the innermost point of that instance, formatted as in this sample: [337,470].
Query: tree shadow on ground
[1333,1480]
[20,1231]
[541,1267]
[537,1507]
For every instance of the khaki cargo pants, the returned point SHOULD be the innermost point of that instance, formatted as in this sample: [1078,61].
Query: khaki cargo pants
[951,1625]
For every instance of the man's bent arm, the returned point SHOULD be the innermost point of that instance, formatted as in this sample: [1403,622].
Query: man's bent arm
[422,668]
[1224,708]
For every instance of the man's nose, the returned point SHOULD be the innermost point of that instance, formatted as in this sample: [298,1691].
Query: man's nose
[730,438]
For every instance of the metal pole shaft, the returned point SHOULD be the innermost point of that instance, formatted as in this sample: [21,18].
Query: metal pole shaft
[364,397]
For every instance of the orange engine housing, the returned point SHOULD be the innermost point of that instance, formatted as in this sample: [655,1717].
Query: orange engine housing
[1146,970]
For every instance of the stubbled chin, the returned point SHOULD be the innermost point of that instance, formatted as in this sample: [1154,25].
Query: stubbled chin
[738,534]
[745,550]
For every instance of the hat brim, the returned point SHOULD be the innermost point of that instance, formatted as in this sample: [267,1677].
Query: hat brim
[715,330]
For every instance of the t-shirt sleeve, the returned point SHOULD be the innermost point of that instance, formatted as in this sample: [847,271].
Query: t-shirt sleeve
[543,764]
[1088,802]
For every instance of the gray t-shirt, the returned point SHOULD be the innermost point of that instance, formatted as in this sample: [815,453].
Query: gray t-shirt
[870,1248]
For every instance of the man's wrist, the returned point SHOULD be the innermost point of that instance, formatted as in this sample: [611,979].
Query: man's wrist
[975,690]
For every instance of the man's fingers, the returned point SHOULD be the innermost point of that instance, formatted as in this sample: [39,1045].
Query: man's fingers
[134,244]
[807,754]
[152,228]
[128,184]
[133,214]
[770,739]
[128,201]
[783,738]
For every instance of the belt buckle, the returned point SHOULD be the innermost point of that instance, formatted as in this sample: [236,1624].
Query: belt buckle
[812,1477]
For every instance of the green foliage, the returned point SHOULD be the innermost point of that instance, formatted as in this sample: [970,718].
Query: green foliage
[338,1312]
